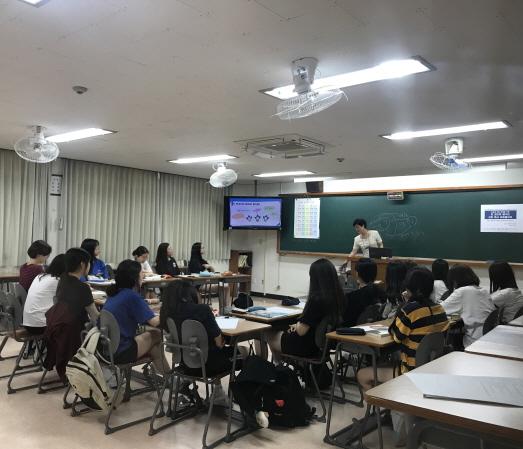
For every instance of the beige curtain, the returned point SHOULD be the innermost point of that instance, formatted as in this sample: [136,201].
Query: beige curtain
[23,205]
[124,208]
[114,205]
[190,210]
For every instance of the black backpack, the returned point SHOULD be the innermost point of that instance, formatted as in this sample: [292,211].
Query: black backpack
[274,389]
[285,401]
[243,301]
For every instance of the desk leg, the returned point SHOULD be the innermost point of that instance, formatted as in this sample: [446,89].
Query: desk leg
[353,432]
[337,353]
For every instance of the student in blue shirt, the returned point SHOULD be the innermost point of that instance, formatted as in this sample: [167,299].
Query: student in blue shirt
[98,267]
[130,310]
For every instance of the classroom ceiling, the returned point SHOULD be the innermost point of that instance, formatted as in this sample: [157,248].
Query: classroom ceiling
[181,78]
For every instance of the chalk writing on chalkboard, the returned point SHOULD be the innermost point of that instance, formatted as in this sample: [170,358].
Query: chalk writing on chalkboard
[397,225]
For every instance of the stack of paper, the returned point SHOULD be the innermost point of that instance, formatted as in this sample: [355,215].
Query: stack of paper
[495,390]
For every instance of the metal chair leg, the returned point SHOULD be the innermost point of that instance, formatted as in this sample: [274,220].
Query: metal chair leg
[2,345]
[209,416]
[166,384]
[318,394]
[19,370]
[119,384]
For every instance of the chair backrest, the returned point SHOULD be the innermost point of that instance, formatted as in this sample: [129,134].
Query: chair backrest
[194,335]
[431,347]
[371,314]
[5,316]
[20,293]
[110,329]
[322,329]
[519,313]
[172,337]
[492,321]
[16,308]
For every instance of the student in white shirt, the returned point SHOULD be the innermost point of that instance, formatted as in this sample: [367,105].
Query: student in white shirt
[141,255]
[365,238]
[469,300]
[440,271]
[504,290]
[40,297]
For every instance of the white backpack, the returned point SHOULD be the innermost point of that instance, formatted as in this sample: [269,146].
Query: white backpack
[86,377]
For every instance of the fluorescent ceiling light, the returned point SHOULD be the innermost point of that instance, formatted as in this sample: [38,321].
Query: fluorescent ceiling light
[506,157]
[284,173]
[35,2]
[313,179]
[452,130]
[383,71]
[80,134]
[195,160]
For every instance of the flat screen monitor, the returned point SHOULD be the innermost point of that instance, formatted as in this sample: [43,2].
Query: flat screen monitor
[252,212]
[378,253]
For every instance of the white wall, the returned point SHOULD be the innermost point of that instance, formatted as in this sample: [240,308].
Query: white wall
[288,275]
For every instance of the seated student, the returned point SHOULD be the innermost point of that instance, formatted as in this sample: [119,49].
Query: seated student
[181,302]
[504,290]
[197,263]
[73,307]
[165,262]
[98,267]
[420,316]
[368,293]
[469,300]
[325,299]
[440,271]
[40,297]
[130,310]
[394,280]
[141,255]
[38,253]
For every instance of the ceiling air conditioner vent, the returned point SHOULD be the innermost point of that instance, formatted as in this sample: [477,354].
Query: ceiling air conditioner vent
[286,146]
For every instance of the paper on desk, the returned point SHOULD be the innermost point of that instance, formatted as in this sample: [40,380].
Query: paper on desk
[280,310]
[227,323]
[98,294]
[494,390]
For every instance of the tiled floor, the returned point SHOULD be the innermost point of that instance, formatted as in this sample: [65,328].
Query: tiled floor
[29,420]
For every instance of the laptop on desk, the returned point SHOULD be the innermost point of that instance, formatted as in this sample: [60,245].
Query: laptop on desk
[378,253]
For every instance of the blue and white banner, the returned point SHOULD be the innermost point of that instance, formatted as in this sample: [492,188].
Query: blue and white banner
[502,218]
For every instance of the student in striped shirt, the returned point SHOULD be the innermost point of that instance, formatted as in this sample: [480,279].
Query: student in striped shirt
[420,316]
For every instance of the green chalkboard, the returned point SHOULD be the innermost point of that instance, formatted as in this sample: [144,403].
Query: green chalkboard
[425,224]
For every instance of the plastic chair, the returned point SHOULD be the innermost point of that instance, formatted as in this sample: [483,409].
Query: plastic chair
[431,347]
[11,314]
[308,363]
[492,321]
[20,293]
[110,340]
[191,353]
[518,313]
[371,314]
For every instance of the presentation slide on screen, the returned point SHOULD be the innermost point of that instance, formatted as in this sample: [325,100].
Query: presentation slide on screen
[255,212]
[502,218]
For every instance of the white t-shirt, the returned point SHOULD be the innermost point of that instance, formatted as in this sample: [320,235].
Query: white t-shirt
[146,267]
[438,290]
[362,245]
[509,298]
[474,305]
[39,300]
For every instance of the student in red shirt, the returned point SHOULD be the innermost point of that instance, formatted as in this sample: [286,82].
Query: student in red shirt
[38,253]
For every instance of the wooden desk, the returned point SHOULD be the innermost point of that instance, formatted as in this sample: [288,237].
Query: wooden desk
[246,328]
[220,280]
[502,341]
[400,394]
[517,322]
[293,315]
